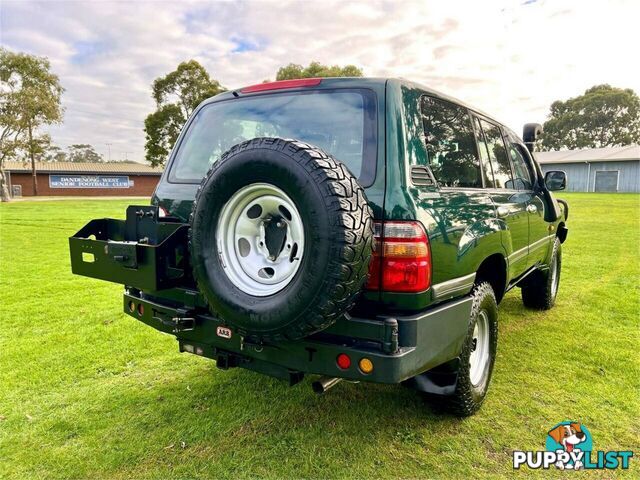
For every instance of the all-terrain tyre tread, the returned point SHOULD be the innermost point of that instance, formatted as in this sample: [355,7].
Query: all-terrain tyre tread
[537,291]
[465,400]
[347,271]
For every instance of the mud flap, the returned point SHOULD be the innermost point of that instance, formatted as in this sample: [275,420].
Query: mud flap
[439,381]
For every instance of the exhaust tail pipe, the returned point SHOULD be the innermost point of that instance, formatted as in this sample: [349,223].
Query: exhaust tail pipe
[324,383]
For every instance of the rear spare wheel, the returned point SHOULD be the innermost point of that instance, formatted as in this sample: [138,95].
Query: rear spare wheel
[281,238]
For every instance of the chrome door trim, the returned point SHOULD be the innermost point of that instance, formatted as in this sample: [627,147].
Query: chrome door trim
[454,287]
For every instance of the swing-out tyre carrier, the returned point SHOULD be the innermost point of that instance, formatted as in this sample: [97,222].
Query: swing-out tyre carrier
[360,229]
[389,342]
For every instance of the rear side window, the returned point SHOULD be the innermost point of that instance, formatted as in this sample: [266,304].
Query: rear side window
[450,143]
[521,173]
[497,155]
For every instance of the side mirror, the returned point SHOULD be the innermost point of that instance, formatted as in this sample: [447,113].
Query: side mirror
[555,180]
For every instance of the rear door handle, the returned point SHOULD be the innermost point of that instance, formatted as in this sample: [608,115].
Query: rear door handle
[532,208]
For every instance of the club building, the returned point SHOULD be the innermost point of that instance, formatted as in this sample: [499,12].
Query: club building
[611,169]
[82,179]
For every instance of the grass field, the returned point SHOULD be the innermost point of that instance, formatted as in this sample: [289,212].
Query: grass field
[86,391]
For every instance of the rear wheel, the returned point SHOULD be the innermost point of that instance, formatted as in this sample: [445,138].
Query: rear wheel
[541,287]
[477,357]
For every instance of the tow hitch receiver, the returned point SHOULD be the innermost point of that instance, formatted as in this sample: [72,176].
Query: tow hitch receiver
[226,360]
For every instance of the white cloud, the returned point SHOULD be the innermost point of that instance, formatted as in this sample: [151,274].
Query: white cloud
[509,58]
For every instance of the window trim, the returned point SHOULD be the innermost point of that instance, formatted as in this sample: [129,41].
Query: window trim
[368,169]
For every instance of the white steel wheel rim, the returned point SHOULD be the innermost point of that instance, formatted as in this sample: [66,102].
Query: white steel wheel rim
[245,239]
[479,357]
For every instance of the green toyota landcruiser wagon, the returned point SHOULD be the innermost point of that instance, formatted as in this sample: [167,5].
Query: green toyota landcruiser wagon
[360,229]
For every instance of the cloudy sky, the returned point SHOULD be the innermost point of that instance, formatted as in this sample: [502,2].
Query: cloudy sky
[508,58]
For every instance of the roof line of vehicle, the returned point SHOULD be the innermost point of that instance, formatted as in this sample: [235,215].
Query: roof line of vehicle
[237,93]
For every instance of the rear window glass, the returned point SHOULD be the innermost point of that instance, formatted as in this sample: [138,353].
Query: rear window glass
[341,122]
[450,142]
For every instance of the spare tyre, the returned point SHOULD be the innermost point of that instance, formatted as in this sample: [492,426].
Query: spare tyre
[281,238]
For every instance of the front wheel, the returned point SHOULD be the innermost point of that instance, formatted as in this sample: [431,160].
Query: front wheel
[541,287]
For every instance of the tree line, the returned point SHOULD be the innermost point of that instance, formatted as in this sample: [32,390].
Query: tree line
[31,98]
[178,93]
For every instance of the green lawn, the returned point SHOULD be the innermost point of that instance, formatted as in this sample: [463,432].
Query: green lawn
[86,391]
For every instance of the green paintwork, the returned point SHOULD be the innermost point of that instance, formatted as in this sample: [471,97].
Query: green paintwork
[464,226]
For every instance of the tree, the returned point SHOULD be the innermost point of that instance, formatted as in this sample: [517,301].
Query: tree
[82,152]
[604,116]
[29,98]
[316,69]
[162,128]
[176,94]
[36,150]
[54,153]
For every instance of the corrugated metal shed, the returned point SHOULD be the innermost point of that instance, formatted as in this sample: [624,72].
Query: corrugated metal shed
[608,154]
[611,169]
[84,167]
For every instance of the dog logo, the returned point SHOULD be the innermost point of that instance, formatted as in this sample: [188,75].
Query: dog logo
[569,447]
[569,437]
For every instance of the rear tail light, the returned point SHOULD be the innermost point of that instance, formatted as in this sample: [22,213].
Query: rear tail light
[401,260]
